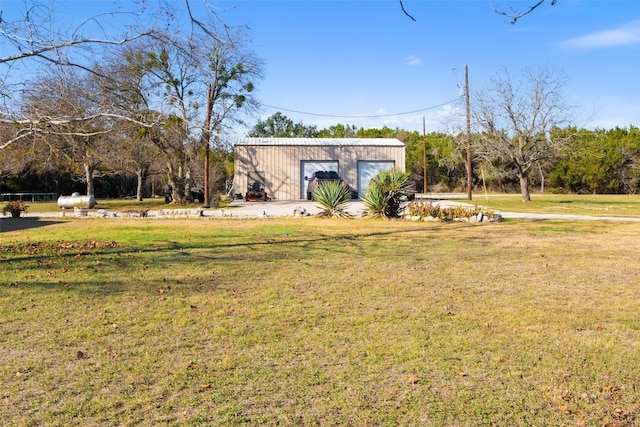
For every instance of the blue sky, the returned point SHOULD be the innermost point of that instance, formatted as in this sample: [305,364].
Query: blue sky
[364,62]
[366,58]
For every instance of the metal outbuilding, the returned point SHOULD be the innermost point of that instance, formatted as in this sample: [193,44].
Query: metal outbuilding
[281,164]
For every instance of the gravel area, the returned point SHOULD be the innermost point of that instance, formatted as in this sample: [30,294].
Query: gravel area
[240,208]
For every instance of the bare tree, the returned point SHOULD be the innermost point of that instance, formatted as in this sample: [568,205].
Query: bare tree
[78,145]
[515,118]
[132,153]
[34,43]
[167,82]
[32,33]
[134,124]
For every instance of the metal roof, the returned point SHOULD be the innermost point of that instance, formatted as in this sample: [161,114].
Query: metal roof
[377,142]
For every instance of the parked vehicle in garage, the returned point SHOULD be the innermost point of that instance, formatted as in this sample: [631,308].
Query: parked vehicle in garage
[320,177]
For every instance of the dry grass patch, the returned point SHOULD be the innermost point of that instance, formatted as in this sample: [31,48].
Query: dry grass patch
[311,322]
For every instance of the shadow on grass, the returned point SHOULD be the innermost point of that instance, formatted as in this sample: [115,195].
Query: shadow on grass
[174,250]
[322,243]
[249,251]
[128,265]
[17,224]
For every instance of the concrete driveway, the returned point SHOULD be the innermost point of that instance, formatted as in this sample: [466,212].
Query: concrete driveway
[273,208]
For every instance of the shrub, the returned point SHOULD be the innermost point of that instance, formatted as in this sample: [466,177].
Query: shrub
[333,197]
[387,192]
[451,213]
[15,208]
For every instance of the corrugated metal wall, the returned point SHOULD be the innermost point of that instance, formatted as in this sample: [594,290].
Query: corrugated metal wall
[281,164]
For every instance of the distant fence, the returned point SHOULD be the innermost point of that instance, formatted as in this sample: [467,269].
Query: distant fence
[29,197]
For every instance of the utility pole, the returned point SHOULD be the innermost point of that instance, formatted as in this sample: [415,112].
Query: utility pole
[468,108]
[425,174]
[206,138]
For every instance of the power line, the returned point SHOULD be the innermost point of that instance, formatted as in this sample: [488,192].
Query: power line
[360,117]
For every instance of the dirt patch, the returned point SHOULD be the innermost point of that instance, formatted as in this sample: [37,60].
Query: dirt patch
[31,248]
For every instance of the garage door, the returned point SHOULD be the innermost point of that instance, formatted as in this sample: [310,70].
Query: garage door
[307,168]
[367,170]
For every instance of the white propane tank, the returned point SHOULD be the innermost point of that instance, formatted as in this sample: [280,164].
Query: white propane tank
[76,201]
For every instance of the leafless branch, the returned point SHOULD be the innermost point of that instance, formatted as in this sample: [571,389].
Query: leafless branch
[199,23]
[45,125]
[66,44]
[517,15]
[12,140]
[405,11]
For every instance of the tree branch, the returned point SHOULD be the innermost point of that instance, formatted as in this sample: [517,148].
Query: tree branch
[12,140]
[70,43]
[405,11]
[515,16]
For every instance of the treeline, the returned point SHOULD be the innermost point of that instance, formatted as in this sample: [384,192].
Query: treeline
[575,160]
[588,161]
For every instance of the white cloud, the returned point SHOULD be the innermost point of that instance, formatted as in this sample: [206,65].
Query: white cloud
[413,60]
[624,35]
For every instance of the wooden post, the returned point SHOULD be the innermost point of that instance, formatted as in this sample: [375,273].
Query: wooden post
[425,174]
[468,108]
[206,137]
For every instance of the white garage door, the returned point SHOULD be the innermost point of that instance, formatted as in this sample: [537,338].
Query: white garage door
[368,170]
[307,168]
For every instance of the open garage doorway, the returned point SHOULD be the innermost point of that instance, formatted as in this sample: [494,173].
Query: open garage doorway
[307,168]
[367,170]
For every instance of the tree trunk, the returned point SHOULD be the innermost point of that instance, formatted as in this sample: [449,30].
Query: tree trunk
[141,175]
[541,179]
[88,173]
[524,187]
[180,181]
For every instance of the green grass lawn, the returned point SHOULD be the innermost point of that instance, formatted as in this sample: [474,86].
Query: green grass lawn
[597,205]
[319,322]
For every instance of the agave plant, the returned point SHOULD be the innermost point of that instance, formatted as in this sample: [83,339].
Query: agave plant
[387,192]
[375,201]
[333,197]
